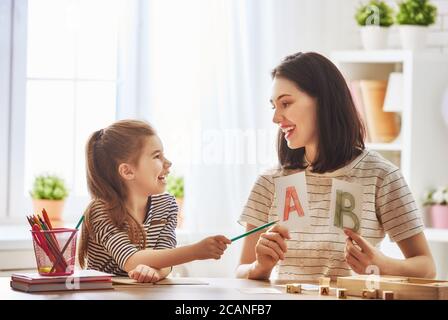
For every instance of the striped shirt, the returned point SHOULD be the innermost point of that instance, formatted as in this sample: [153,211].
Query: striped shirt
[388,207]
[110,247]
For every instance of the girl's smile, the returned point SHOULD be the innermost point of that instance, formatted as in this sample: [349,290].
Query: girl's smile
[162,177]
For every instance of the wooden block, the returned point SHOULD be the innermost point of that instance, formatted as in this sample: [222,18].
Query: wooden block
[324,290]
[341,293]
[293,288]
[324,281]
[369,294]
[402,287]
[388,295]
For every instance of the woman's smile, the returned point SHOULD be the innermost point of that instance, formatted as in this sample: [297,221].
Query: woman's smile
[288,130]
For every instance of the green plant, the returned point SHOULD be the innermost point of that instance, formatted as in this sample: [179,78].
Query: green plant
[49,187]
[436,196]
[175,186]
[416,12]
[367,14]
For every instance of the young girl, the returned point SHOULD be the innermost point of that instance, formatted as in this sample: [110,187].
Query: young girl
[129,226]
[320,133]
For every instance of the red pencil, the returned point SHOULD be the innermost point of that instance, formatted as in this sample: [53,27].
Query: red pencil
[48,245]
[42,241]
[46,218]
[53,244]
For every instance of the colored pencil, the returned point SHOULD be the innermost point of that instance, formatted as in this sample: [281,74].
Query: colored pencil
[255,230]
[46,218]
[47,241]
[47,221]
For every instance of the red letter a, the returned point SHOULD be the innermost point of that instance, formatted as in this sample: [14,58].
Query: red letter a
[292,193]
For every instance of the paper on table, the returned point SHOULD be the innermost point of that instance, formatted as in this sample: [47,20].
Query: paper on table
[346,205]
[123,281]
[259,290]
[292,201]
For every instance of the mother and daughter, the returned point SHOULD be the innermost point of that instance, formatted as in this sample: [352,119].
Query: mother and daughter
[130,223]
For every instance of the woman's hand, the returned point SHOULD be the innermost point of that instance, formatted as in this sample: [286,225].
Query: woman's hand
[211,247]
[271,247]
[144,273]
[364,257]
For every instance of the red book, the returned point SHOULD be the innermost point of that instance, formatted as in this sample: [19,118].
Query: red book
[78,275]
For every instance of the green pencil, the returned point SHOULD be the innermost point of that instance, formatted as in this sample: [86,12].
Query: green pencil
[79,222]
[255,230]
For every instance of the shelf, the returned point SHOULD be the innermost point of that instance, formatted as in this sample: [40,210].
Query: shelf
[372,56]
[386,56]
[394,146]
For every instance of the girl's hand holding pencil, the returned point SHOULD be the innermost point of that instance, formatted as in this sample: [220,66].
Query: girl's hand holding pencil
[211,247]
[214,247]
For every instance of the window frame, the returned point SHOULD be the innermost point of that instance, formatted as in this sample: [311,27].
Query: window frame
[17,207]
[6,8]
[13,136]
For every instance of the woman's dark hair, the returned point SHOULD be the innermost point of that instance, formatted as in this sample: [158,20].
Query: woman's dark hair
[340,130]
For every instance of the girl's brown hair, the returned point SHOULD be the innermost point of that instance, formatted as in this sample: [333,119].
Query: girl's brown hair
[340,131]
[106,149]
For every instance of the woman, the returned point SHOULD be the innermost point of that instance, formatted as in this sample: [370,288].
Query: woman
[320,132]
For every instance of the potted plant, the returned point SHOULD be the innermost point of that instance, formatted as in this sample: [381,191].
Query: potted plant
[49,192]
[414,17]
[375,18]
[175,186]
[438,202]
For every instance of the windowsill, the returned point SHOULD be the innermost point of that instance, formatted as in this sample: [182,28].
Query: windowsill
[15,237]
[18,237]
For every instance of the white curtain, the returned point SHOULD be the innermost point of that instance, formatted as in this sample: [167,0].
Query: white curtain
[243,41]
[234,136]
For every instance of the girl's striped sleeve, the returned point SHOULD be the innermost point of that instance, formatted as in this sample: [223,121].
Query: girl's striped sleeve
[167,237]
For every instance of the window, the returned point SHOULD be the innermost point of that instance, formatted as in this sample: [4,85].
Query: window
[69,87]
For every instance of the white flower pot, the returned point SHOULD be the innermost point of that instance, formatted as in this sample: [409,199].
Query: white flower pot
[413,37]
[374,37]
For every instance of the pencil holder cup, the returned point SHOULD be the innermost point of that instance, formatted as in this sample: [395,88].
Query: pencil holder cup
[55,251]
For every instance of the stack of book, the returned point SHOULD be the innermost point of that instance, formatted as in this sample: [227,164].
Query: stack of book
[79,280]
